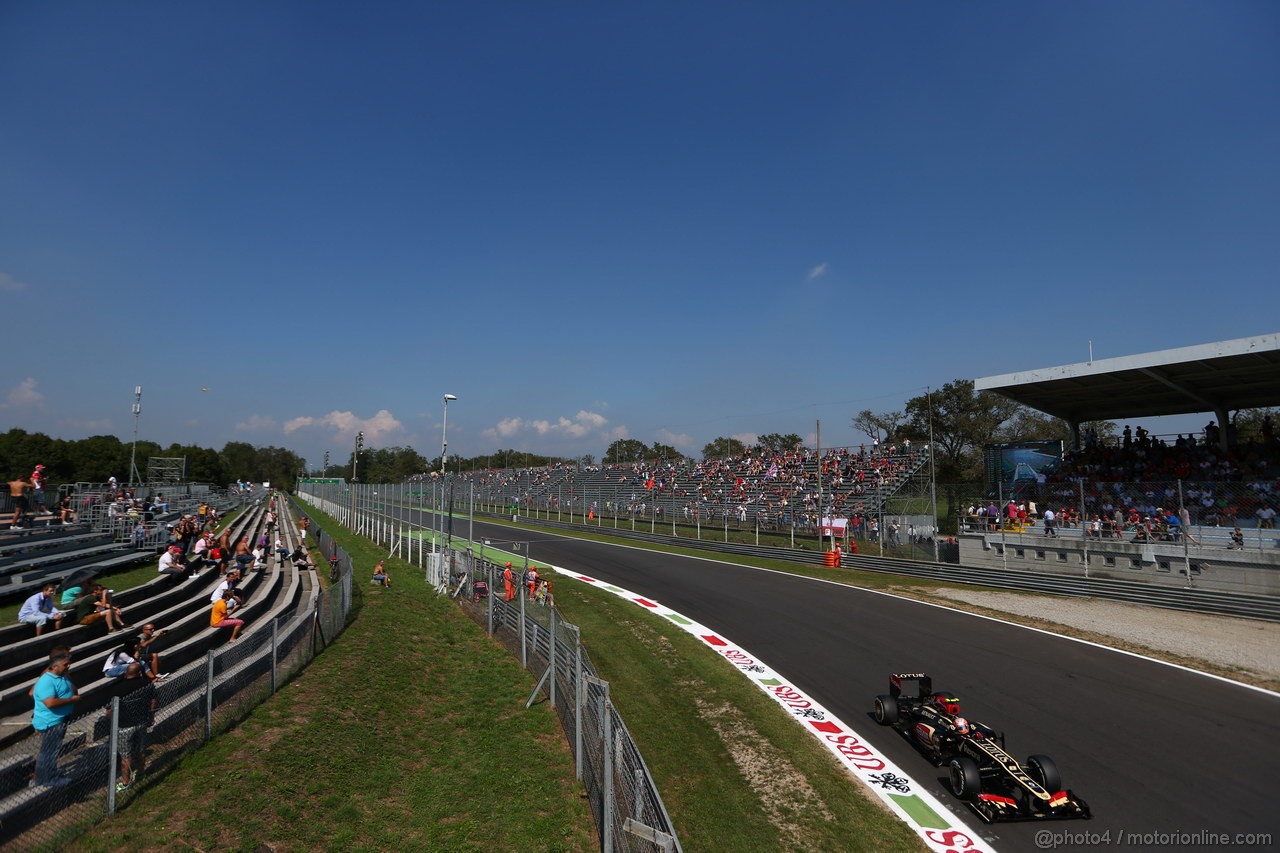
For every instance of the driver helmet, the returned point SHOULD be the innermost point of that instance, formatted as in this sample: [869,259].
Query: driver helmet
[962,726]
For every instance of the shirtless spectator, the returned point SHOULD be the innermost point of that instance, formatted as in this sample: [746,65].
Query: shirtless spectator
[244,554]
[18,491]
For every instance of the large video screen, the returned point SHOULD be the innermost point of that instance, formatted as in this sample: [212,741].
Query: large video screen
[1016,464]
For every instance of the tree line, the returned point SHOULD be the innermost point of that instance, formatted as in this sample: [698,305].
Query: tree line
[100,457]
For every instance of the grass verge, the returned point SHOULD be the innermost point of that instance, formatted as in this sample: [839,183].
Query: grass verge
[408,733]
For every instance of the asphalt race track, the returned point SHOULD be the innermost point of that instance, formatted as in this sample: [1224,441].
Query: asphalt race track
[1153,749]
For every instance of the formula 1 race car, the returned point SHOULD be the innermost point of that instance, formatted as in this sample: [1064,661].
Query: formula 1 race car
[980,772]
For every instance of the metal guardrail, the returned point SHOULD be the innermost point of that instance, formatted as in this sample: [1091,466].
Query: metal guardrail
[1191,599]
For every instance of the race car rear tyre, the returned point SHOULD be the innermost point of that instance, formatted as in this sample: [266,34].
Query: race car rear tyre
[886,710]
[1045,772]
[964,777]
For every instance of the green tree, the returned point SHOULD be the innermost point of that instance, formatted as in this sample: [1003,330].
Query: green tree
[883,425]
[775,443]
[1249,423]
[1030,425]
[626,450]
[722,447]
[963,422]
[665,451]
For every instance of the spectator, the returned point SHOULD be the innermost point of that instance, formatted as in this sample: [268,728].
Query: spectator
[146,648]
[136,713]
[96,604]
[68,596]
[301,559]
[244,554]
[201,548]
[380,575]
[171,563]
[18,491]
[282,553]
[125,663]
[39,610]
[65,514]
[139,534]
[37,488]
[233,577]
[1237,539]
[218,616]
[53,699]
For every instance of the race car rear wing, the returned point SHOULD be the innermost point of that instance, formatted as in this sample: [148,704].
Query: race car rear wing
[923,683]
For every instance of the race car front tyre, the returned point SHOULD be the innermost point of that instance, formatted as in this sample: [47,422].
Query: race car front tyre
[965,778]
[886,710]
[1045,772]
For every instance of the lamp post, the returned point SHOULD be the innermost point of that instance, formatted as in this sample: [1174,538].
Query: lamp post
[444,451]
[134,476]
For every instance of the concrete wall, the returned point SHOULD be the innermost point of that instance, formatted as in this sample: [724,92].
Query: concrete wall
[1212,566]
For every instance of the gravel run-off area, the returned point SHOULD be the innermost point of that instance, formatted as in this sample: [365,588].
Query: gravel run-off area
[1246,650]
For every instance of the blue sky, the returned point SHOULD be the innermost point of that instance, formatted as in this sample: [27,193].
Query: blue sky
[661,221]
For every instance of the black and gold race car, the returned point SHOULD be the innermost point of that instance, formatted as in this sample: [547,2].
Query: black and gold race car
[980,772]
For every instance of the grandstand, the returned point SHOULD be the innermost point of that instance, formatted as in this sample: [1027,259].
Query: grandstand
[281,602]
[769,492]
[1164,510]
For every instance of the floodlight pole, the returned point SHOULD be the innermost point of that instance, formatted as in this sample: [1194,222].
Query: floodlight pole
[933,477]
[134,476]
[444,455]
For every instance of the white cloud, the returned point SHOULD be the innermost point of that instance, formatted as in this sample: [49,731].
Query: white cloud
[25,395]
[9,284]
[376,429]
[680,441]
[817,272]
[580,425]
[257,423]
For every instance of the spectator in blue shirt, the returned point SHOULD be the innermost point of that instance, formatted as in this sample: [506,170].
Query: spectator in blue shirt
[39,609]
[54,699]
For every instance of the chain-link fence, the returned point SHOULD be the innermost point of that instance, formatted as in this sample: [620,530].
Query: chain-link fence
[628,809]
[55,786]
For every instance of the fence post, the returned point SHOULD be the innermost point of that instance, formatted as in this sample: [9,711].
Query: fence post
[524,646]
[552,663]
[606,790]
[275,643]
[114,758]
[577,700]
[489,576]
[1084,529]
[208,694]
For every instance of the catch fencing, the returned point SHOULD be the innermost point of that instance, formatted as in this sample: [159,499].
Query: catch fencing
[625,802]
[135,736]
[1213,509]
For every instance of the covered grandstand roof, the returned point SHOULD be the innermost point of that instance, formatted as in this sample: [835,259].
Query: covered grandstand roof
[1229,375]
